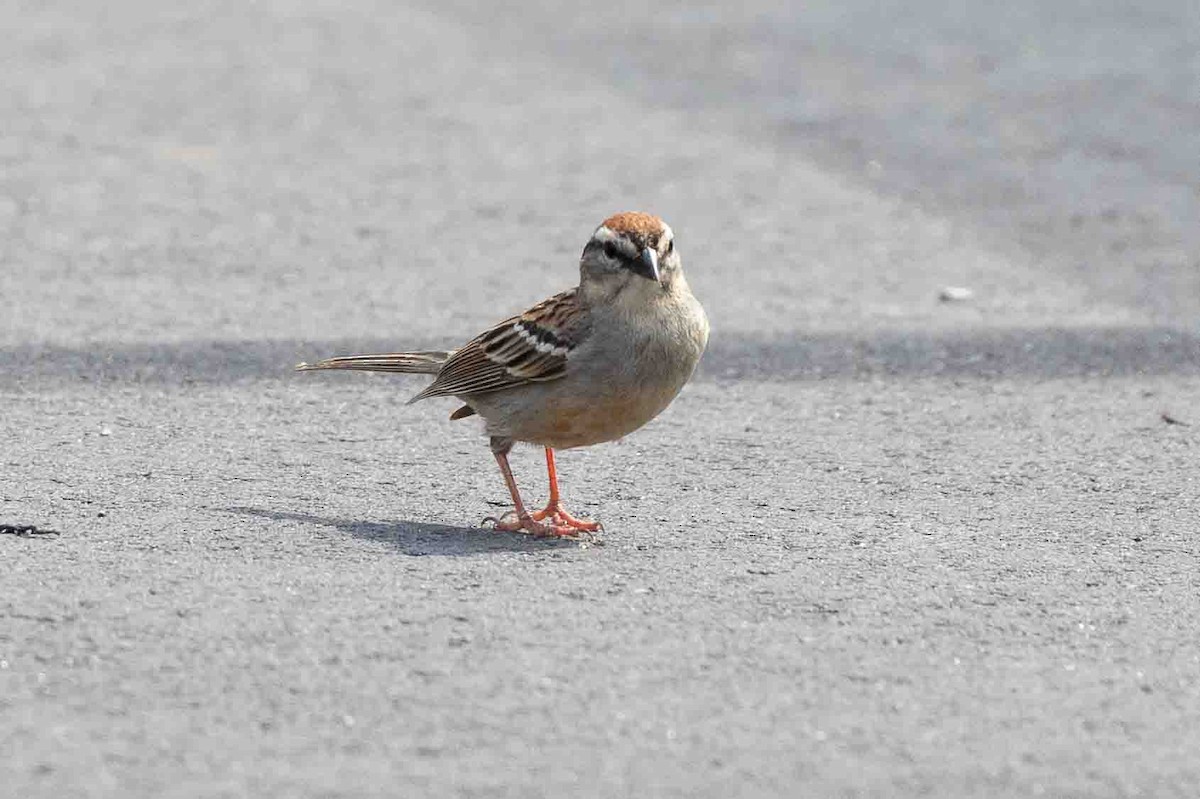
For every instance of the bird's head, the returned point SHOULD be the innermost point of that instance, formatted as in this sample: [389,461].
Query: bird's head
[630,253]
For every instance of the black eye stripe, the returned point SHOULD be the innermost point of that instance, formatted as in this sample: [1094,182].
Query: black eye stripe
[612,250]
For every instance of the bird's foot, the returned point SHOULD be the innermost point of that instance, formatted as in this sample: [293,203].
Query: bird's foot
[558,516]
[537,527]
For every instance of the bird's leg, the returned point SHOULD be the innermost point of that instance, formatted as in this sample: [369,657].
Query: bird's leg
[524,522]
[554,511]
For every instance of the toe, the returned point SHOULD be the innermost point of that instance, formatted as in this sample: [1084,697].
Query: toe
[574,523]
[559,517]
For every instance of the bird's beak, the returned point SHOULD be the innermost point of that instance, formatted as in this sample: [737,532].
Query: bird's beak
[647,265]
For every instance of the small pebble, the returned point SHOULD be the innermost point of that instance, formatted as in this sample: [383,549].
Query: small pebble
[955,294]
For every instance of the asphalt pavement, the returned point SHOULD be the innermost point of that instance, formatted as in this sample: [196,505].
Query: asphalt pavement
[885,544]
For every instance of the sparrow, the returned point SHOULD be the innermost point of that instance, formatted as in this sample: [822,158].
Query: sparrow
[588,365]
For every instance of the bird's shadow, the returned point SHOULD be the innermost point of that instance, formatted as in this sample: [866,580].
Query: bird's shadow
[417,539]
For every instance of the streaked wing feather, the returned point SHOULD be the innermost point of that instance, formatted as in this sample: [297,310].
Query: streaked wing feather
[532,347]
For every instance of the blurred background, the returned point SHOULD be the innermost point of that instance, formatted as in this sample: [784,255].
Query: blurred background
[306,171]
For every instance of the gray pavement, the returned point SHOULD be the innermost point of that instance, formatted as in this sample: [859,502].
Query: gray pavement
[882,546]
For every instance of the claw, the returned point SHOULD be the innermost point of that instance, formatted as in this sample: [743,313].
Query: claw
[496,522]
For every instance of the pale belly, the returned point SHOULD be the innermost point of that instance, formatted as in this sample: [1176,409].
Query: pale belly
[563,419]
[580,422]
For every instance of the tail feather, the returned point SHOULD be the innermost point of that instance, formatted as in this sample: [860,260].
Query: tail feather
[428,362]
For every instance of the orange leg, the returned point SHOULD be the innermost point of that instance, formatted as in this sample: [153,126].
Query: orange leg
[524,522]
[554,511]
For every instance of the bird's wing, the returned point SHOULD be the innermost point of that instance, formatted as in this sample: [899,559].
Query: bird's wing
[533,347]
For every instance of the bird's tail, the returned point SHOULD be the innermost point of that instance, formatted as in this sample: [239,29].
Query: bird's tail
[420,363]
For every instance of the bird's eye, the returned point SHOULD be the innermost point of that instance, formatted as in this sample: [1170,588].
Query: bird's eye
[670,246]
[611,250]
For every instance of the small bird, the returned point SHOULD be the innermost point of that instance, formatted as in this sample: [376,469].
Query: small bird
[589,365]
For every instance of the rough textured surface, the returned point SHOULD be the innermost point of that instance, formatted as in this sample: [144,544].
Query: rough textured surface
[883,546]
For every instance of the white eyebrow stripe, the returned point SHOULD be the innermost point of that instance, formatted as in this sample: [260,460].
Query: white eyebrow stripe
[603,234]
[539,345]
